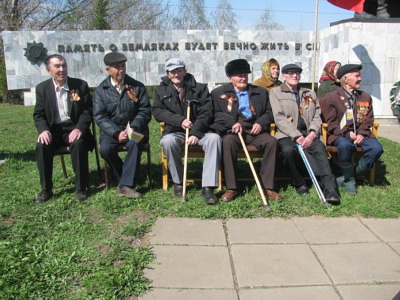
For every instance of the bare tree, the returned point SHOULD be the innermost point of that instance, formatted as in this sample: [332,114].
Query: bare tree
[37,14]
[224,17]
[191,15]
[267,22]
[137,14]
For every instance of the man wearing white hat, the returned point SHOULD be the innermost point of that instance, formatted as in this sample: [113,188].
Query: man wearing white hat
[176,91]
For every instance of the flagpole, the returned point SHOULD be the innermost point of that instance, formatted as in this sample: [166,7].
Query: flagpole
[315,44]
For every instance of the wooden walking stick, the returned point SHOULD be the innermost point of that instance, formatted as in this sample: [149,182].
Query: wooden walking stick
[260,190]
[189,102]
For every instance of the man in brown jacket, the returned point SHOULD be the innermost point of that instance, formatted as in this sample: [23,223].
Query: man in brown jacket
[297,116]
[350,117]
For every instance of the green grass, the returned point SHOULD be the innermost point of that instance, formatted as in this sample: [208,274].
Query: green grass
[97,249]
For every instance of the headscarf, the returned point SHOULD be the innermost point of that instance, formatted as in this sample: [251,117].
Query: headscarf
[328,72]
[266,69]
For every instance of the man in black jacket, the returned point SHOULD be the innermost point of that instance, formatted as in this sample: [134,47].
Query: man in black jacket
[118,101]
[62,117]
[170,106]
[245,108]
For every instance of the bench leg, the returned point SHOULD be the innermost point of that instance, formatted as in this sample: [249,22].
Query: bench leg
[63,166]
[164,167]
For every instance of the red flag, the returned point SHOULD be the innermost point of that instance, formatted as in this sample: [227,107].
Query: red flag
[354,5]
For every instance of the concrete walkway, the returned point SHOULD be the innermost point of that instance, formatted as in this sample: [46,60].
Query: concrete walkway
[391,132]
[298,258]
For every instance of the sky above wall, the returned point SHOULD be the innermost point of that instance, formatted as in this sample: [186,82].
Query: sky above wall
[292,14]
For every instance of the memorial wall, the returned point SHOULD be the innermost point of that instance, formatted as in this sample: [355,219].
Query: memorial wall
[206,54]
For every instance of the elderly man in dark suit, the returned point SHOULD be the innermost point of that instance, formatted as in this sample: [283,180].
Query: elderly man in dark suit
[118,101]
[245,108]
[62,117]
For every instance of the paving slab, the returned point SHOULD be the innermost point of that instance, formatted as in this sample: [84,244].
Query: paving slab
[277,265]
[263,231]
[370,292]
[192,294]
[396,247]
[391,132]
[359,263]
[184,231]
[191,267]
[319,230]
[387,229]
[309,293]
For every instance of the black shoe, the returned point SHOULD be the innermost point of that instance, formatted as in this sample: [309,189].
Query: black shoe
[80,196]
[178,190]
[208,195]
[332,195]
[44,196]
[302,190]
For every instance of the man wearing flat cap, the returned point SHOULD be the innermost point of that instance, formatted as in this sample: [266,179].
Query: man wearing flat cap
[121,107]
[242,107]
[350,117]
[177,90]
[297,117]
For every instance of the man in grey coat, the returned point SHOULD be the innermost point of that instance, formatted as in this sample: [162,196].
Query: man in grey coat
[121,104]
[297,117]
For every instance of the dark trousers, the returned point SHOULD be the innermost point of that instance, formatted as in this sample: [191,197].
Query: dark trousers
[79,157]
[371,147]
[316,156]
[125,171]
[263,142]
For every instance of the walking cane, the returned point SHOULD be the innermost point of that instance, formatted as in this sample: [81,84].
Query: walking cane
[313,179]
[189,102]
[260,190]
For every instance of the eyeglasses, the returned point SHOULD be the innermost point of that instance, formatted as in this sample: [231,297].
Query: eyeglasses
[291,73]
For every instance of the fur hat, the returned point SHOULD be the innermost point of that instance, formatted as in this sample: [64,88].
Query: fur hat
[237,66]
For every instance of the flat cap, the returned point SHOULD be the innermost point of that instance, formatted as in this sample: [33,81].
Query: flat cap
[114,58]
[291,68]
[237,66]
[350,68]
[174,63]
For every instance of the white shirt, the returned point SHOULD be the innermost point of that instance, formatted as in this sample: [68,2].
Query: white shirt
[62,96]
[116,85]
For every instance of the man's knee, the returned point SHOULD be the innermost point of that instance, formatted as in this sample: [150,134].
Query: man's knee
[170,141]
[213,139]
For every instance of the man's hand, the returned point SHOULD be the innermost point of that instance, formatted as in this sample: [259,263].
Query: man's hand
[123,136]
[44,137]
[236,128]
[256,129]
[308,140]
[300,140]
[74,135]
[192,140]
[359,139]
[186,124]
[352,136]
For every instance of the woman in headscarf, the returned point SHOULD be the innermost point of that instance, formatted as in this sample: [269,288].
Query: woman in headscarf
[328,81]
[270,71]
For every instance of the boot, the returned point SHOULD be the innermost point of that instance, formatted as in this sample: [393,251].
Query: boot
[361,167]
[349,180]
[381,12]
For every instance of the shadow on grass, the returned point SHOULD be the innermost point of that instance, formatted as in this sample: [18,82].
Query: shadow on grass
[25,156]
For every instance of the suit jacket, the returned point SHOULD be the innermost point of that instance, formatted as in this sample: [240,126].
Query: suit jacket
[80,111]
[259,99]
[363,114]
